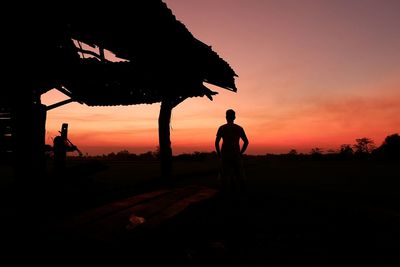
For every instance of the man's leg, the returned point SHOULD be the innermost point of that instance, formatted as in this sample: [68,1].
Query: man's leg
[240,176]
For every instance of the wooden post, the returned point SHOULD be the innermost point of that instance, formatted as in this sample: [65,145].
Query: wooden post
[29,141]
[164,120]
[164,138]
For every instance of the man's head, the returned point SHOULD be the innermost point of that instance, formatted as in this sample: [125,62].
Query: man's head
[230,115]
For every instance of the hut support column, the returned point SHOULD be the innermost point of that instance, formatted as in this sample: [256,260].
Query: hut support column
[29,140]
[164,120]
[164,138]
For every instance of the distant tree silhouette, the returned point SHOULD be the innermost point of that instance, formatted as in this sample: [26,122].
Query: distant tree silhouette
[149,155]
[292,154]
[316,150]
[364,145]
[123,153]
[156,153]
[316,153]
[390,148]
[346,151]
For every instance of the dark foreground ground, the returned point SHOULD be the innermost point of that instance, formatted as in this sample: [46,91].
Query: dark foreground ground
[308,213]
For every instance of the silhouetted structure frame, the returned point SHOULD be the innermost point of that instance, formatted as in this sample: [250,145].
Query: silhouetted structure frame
[156,60]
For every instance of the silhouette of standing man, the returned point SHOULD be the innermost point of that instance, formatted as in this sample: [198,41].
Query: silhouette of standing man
[231,154]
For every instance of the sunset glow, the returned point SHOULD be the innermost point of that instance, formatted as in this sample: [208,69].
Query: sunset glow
[311,74]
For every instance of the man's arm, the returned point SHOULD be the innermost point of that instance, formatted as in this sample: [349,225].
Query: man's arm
[245,142]
[217,140]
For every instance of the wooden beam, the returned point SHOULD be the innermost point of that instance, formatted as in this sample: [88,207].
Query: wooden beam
[102,56]
[84,51]
[61,103]
[64,91]
[164,139]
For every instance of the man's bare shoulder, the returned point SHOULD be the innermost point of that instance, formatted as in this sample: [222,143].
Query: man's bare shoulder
[221,129]
[238,126]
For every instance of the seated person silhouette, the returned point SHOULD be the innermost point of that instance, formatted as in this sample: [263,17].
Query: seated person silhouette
[232,173]
[60,147]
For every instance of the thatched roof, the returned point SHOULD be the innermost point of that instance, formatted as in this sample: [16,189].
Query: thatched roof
[163,59]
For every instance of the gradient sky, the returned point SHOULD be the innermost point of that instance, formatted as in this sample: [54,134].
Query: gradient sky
[312,73]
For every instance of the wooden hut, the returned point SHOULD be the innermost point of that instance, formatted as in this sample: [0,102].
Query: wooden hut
[160,61]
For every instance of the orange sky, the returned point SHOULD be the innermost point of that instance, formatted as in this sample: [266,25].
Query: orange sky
[312,73]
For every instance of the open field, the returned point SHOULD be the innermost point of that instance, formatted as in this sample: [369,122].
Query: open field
[296,212]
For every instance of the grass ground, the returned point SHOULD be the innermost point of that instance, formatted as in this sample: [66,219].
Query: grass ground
[314,213]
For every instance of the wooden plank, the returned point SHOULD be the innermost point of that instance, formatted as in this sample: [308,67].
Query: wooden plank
[116,225]
[114,221]
[178,207]
[109,209]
